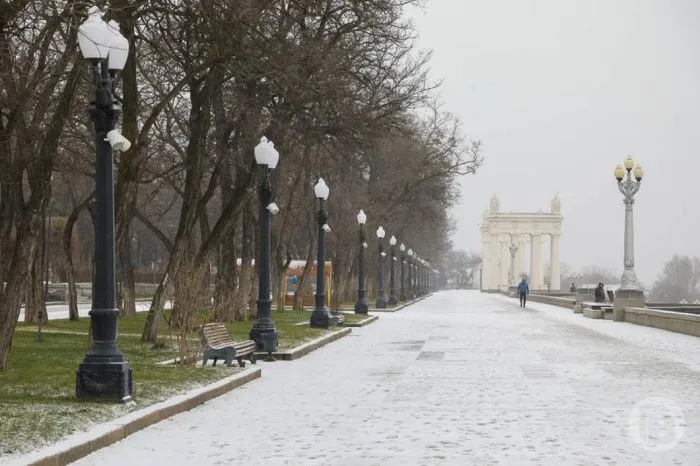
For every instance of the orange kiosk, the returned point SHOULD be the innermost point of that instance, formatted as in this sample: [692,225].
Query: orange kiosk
[294,272]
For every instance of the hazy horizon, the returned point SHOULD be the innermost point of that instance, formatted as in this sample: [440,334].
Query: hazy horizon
[561,91]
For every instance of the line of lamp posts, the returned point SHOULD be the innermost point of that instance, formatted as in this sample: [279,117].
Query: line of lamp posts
[104,374]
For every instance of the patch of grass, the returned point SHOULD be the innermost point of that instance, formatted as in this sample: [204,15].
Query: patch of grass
[37,391]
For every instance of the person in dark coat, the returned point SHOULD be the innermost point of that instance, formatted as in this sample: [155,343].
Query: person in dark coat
[600,293]
[523,290]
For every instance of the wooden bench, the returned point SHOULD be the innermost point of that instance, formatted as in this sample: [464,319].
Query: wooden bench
[217,344]
[337,318]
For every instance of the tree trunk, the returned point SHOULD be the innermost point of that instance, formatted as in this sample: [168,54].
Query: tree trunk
[128,293]
[301,288]
[34,302]
[227,279]
[11,297]
[243,293]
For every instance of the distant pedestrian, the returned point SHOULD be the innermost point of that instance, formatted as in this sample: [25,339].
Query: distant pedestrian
[599,293]
[523,291]
[573,288]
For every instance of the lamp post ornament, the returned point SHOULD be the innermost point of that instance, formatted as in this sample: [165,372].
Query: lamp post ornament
[629,187]
[361,306]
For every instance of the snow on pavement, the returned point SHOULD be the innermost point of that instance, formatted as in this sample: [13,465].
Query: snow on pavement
[460,378]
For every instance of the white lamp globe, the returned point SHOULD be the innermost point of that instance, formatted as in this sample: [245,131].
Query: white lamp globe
[274,155]
[262,154]
[392,240]
[118,47]
[266,154]
[380,232]
[362,217]
[321,189]
[93,36]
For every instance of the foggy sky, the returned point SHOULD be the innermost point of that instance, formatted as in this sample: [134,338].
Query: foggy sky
[560,91]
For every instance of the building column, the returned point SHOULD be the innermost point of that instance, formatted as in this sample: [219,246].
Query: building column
[505,263]
[485,262]
[495,274]
[555,274]
[520,257]
[536,263]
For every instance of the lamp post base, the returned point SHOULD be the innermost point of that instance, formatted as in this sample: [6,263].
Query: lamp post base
[381,302]
[104,381]
[264,334]
[321,318]
[263,327]
[361,307]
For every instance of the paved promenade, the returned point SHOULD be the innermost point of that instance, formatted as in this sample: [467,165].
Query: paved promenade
[459,378]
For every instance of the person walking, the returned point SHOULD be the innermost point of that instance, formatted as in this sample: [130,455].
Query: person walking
[523,291]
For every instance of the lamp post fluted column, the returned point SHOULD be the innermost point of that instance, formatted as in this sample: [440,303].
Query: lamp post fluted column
[392,283]
[513,251]
[629,188]
[630,293]
[104,374]
[263,331]
[321,317]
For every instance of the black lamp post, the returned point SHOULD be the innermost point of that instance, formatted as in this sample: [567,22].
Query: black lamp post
[381,297]
[263,331]
[392,284]
[409,283]
[402,293]
[104,374]
[320,317]
[361,306]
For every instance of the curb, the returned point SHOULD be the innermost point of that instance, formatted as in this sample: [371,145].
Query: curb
[82,444]
[306,348]
[363,322]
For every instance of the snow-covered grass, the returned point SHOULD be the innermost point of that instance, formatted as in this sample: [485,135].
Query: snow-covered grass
[37,392]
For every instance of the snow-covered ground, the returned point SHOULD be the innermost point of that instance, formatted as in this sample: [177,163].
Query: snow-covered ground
[460,378]
[60,311]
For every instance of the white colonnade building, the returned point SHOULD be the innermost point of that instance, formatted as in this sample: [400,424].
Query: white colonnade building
[506,240]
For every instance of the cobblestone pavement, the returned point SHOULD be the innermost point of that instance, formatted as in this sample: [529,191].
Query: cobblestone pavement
[460,378]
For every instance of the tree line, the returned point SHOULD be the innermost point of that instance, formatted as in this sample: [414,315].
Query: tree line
[338,86]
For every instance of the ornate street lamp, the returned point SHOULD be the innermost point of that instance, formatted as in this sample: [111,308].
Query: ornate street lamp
[361,306]
[392,284]
[381,297]
[104,374]
[513,251]
[263,331]
[320,317]
[629,188]
[402,293]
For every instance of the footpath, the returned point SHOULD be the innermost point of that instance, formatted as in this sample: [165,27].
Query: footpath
[459,378]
